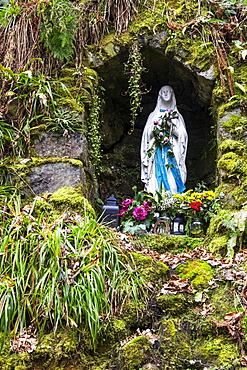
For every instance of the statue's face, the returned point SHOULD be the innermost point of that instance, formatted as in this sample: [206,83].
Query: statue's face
[166,94]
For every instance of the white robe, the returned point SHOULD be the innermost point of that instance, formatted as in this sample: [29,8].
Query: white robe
[179,140]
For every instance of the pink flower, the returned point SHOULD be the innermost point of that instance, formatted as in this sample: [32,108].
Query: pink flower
[161,134]
[156,123]
[140,213]
[127,202]
[166,140]
[147,204]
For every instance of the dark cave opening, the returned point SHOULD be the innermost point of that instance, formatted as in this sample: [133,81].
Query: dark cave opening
[121,157]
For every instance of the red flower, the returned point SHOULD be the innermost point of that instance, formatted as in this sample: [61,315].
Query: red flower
[195,205]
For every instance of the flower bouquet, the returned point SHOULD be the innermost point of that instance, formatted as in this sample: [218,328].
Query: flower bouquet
[138,213]
[161,132]
[198,204]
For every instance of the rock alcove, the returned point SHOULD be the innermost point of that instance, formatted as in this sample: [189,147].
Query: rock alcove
[193,90]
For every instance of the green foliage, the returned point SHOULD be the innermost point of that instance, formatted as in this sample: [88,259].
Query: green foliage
[134,69]
[66,272]
[10,140]
[138,214]
[64,120]
[230,6]
[32,93]
[8,12]
[35,96]
[231,227]
[59,23]
[236,224]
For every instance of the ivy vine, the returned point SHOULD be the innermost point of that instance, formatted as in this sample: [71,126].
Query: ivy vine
[136,88]
[94,136]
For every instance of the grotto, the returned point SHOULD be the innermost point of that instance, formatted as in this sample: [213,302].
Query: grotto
[76,294]
[193,89]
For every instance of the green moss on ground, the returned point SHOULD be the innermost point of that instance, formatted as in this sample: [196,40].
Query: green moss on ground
[152,271]
[164,243]
[225,353]
[198,272]
[134,354]
[175,304]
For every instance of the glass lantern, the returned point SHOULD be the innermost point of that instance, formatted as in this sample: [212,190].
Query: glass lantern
[196,228]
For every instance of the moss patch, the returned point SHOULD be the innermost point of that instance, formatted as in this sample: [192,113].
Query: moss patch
[233,164]
[152,271]
[198,272]
[232,146]
[135,353]
[164,243]
[69,198]
[236,125]
[224,352]
[175,304]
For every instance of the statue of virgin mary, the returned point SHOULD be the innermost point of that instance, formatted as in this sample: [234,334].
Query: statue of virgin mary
[163,167]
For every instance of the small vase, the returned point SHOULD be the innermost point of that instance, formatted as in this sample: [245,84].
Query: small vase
[196,228]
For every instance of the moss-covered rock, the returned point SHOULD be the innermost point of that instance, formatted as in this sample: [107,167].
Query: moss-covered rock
[175,304]
[218,246]
[198,272]
[174,343]
[223,353]
[153,271]
[134,354]
[232,164]
[234,146]
[68,198]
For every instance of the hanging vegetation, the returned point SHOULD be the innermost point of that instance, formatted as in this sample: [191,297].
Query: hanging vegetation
[134,69]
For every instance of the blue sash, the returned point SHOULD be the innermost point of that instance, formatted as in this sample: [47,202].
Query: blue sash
[162,158]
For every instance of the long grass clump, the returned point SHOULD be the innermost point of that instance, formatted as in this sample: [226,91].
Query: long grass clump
[69,272]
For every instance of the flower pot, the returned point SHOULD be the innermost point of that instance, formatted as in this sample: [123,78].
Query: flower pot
[196,228]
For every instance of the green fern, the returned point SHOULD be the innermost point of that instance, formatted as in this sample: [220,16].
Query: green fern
[60,21]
